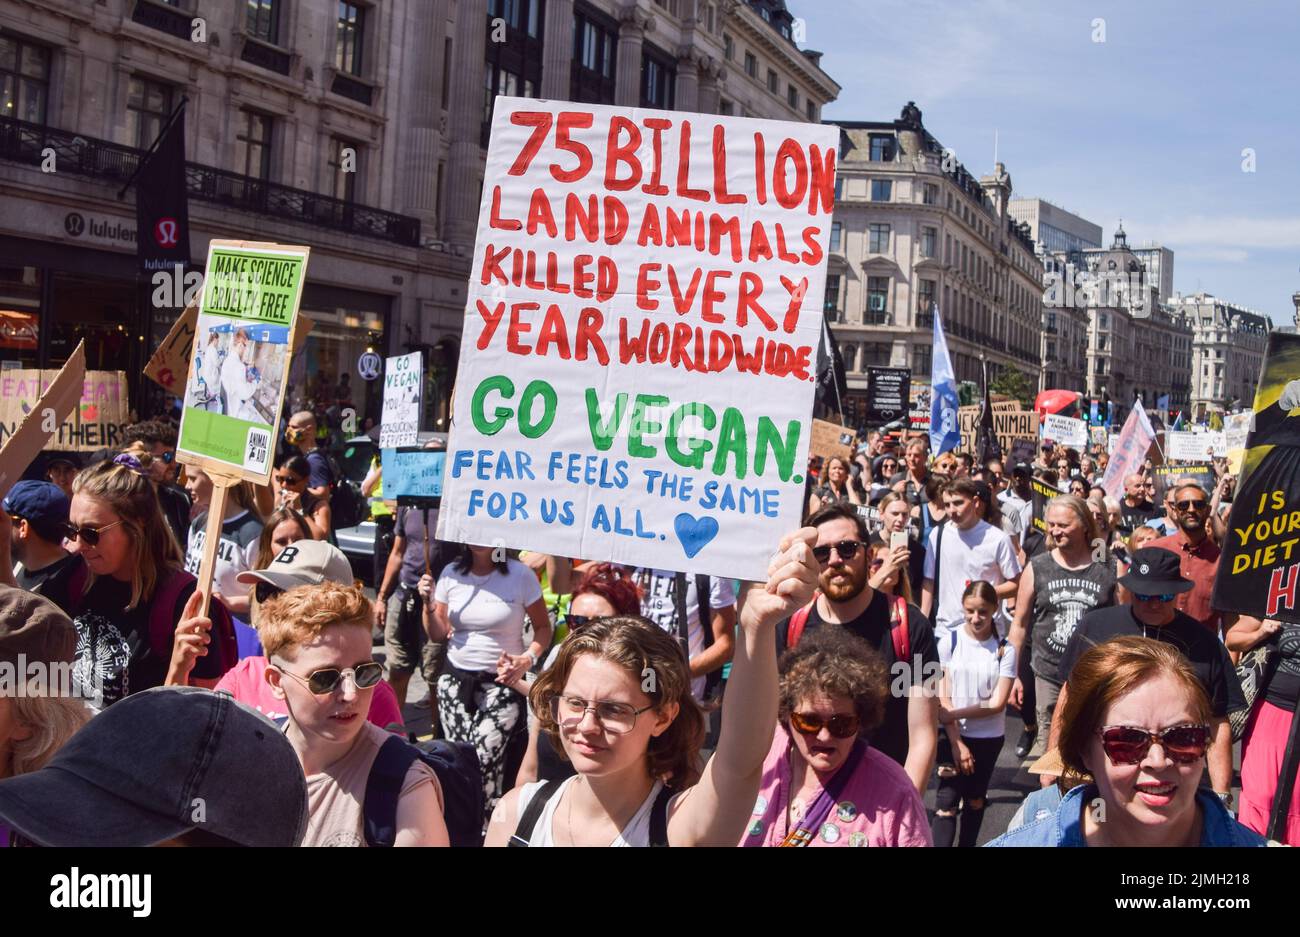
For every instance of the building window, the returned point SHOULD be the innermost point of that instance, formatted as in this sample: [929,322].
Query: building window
[930,194]
[876,353]
[726,108]
[658,79]
[446,72]
[879,238]
[877,300]
[24,80]
[499,81]
[344,164]
[837,232]
[792,96]
[882,148]
[348,39]
[751,65]
[594,46]
[728,46]
[523,15]
[811,109]
[261,19]
[920,359]
[839,187]
[773,83]
[832,302]
[881,190]
[253,146]
[925,296]
[929,236]
[148,105]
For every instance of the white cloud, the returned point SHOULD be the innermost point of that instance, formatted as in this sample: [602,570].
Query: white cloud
[1229,232]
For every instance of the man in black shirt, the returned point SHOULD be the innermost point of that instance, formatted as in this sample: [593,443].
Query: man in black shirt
[1155,582]
[909,733]
[1135,510]
[36,515]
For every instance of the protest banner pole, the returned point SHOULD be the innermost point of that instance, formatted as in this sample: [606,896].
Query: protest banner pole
[221,485]
[428,568]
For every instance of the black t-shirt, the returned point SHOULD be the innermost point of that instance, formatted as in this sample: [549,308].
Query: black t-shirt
[113,643]
[1135,516]
[1202,649]
[175,506]
[1284,686]
[872,626]
[33,580]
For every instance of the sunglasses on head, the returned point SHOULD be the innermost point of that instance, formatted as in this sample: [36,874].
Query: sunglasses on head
[1153,598]
[1192,504]
[847,549]
[841,725]
[89,535]
[1128,745]
[324,682]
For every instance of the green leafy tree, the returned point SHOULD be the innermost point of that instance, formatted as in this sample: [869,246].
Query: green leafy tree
[1012,382]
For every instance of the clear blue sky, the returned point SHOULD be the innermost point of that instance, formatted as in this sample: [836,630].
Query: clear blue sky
[1148,126]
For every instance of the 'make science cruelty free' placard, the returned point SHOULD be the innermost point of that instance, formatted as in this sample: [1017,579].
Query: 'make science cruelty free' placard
[637,366]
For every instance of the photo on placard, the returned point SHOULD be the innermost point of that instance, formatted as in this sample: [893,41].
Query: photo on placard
[238,368]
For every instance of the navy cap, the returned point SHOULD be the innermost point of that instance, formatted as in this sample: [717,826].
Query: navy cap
[42,503]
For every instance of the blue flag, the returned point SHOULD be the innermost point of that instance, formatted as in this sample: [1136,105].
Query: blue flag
[945,433]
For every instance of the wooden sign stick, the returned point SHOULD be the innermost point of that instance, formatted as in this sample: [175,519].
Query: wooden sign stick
[221,485]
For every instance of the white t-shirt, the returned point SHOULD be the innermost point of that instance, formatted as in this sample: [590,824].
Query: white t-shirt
[236,552]
[983,552]
[657,604]
[486,613]
[973,670]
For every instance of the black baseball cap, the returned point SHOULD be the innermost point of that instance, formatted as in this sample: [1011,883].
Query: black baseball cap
[158,764]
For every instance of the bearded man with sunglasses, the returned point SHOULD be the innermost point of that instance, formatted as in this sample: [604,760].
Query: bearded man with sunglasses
[1154,582]
[909,732]
[1198,554]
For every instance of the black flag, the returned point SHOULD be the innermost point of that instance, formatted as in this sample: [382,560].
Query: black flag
[162,215]
[986,438]
[832,386]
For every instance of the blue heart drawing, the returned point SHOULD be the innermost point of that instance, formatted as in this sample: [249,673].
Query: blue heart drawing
[694,534]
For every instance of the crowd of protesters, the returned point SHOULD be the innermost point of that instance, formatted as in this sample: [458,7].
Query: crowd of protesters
[576,702]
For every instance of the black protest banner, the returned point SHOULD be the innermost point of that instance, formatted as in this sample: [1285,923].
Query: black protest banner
[1259,569]
[1166,475]
[1042,494]
[888,394]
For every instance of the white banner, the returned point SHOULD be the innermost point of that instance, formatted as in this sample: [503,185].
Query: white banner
[1065,430]
[1187,447]
[403,383]
[637,367]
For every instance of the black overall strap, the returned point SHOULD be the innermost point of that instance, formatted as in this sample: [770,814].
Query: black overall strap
[533,812]
[659,818]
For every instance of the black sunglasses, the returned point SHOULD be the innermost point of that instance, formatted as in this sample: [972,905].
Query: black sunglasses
[847,549]
[574,622]
[1191,505]
[89,535]
[264,591]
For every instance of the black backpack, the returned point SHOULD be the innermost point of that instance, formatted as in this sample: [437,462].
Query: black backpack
[457,767]
[347,506]
[704,601]
[528,821]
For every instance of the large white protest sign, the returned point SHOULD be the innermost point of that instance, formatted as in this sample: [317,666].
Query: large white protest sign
[1065,430]
[400,420]
[644,307]
[1236,429]
[1187,447]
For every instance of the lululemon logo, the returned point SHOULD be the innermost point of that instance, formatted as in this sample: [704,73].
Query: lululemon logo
[166,232]
[74,224]
[287,555]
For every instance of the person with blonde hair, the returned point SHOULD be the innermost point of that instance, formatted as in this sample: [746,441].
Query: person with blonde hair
[618,704]
[129,590]
[283,527]
[1058,587]
[1136,726]
[837,485]
[317,639]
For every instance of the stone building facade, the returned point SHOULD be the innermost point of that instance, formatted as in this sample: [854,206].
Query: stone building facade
[1228,344]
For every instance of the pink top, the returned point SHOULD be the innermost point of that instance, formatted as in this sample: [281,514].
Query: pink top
[246,682]
[879,806]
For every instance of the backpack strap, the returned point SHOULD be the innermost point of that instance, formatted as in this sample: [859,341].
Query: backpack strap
[898,632]
[533,812]
[704,598]
[797,622]
[938,568]
[659,817]
[162,612]
[77,586]
[679,608]
[384,788]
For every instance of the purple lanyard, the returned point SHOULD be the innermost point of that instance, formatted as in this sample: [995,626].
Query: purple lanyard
[816,814]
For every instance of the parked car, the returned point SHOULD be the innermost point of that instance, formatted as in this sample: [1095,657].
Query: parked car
[358,543]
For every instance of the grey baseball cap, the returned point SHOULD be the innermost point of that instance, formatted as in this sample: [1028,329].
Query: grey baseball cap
[304,563]
[160,763]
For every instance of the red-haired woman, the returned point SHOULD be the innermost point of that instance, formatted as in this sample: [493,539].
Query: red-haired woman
[603,591]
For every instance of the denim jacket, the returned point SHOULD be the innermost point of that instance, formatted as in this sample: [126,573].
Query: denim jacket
[1065,826]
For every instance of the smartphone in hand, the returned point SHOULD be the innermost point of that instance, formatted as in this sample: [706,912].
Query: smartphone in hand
[897,539]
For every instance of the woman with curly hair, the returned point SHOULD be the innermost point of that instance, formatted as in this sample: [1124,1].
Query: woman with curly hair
[823,784]
[618,703]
